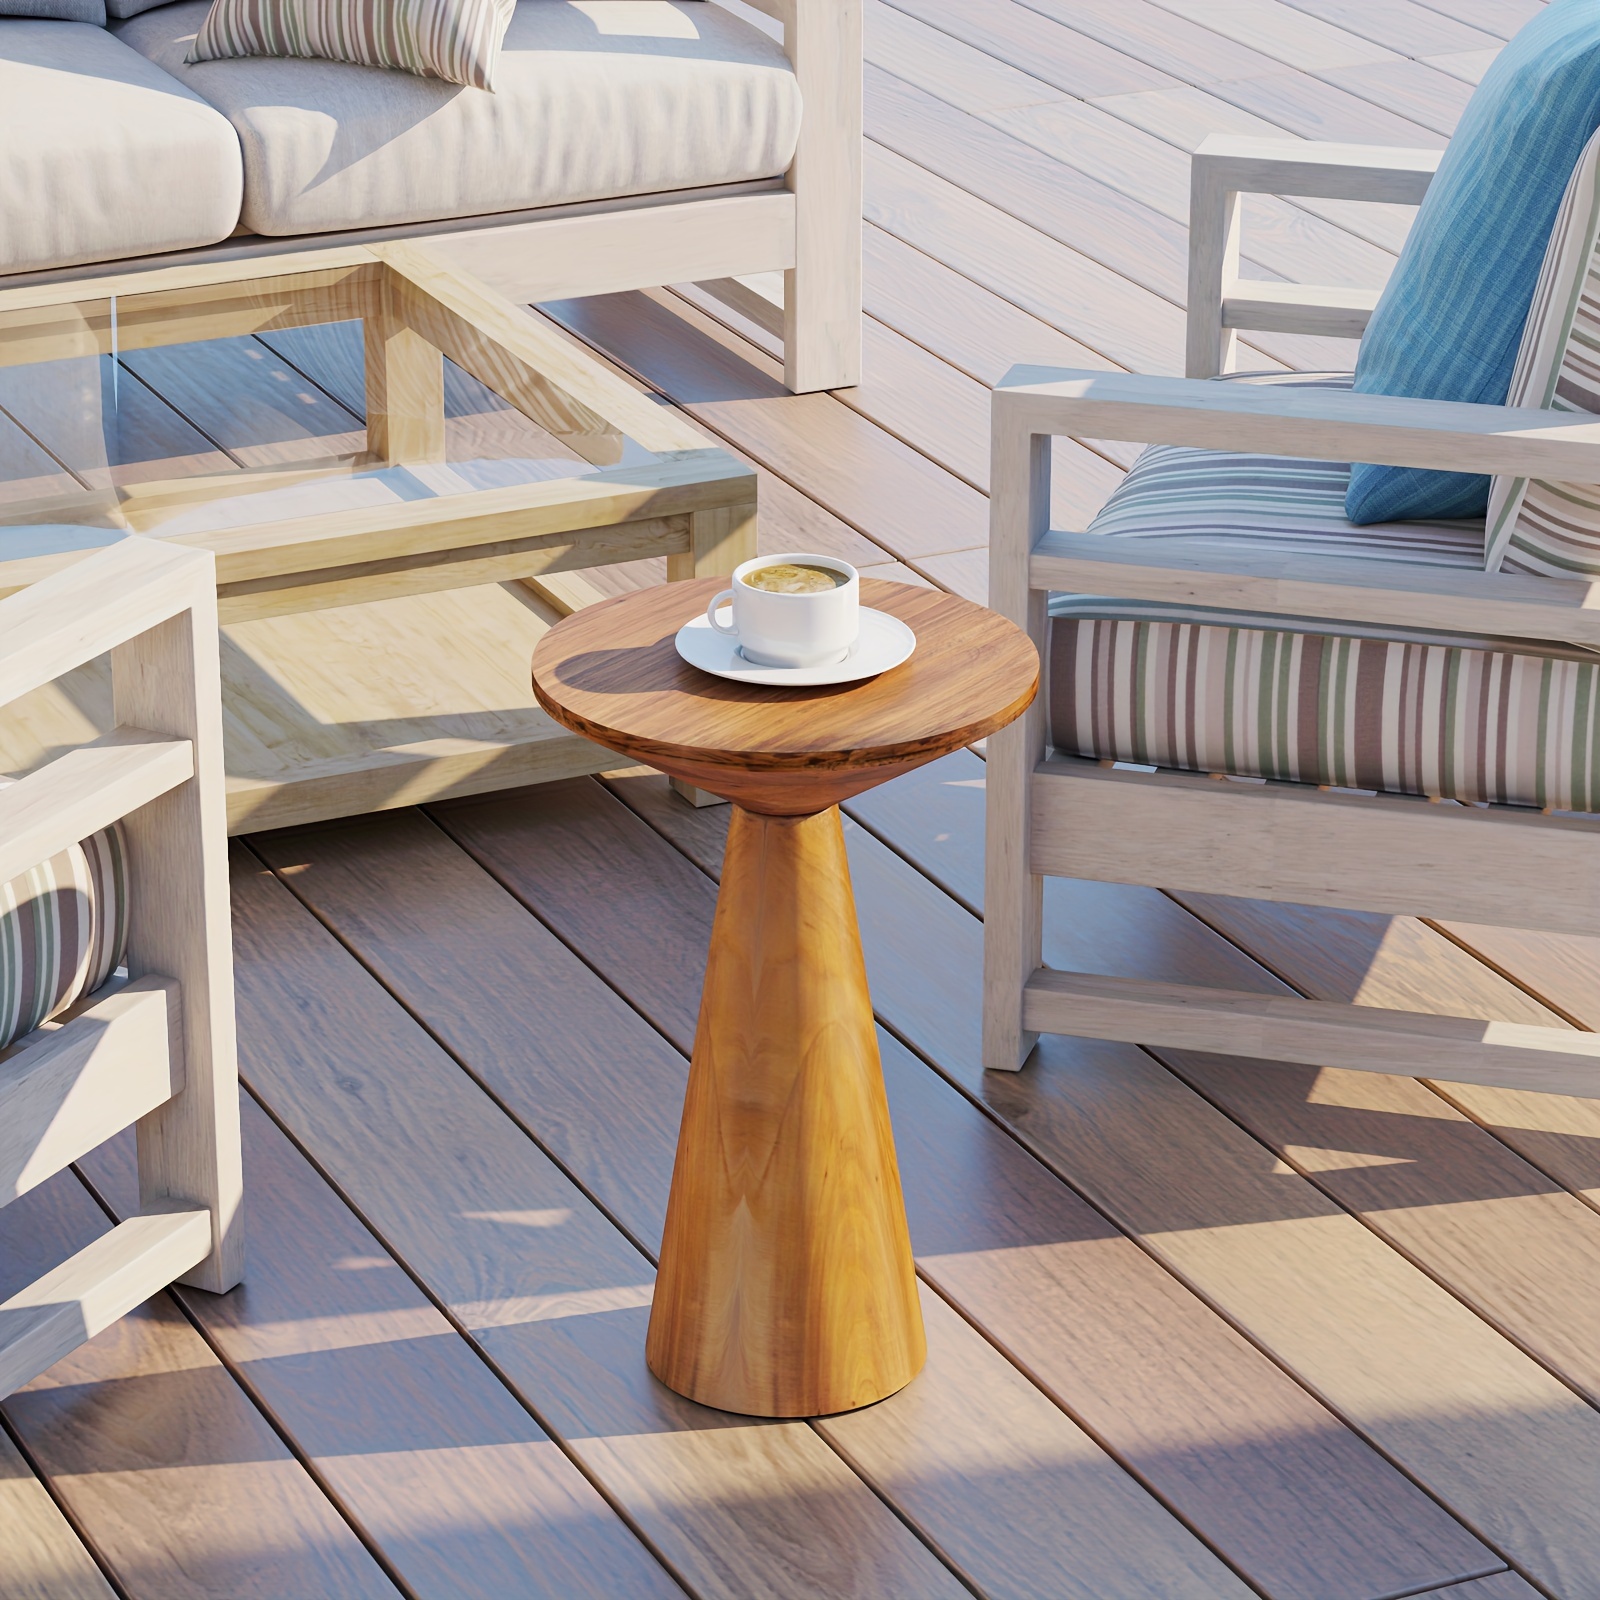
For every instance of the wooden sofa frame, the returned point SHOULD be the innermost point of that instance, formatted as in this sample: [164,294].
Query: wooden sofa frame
[158,1051]
[1050,814]
[805,225]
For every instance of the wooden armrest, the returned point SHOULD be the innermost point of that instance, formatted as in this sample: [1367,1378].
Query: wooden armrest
[94,605]
[1340,588]
[1323,424]
[1227,166]
[1334,311]
[1228,163]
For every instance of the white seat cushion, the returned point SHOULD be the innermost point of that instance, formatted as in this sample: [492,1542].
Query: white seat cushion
[102,155]
[593,99]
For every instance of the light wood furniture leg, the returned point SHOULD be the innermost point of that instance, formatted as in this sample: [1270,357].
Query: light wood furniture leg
[786,1286]
[189,1147]
[822,291]
[1214,221]
[718,542]
[405,387]
[1013,946]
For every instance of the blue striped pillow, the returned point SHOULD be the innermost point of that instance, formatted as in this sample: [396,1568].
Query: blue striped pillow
[1451,318]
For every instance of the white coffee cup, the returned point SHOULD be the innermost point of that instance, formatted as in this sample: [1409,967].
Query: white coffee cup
[791,630]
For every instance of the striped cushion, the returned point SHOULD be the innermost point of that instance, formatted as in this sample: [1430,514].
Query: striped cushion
[1412,712]
[63,930]
[456,40]
[1554,528]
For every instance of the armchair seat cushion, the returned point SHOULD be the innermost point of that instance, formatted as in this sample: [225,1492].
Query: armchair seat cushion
[104,155]
[63,931]
[1301,699]
[593,99]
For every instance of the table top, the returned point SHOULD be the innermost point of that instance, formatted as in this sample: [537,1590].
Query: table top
[573,447]
[612,673]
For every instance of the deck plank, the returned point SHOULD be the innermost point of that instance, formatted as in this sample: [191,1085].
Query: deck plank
[551,1292]
[922,400]
[181,1483]
[1401,25]
[860,473]
[1501,18]
[1514,1242]
[403,894]
[1022,38]
[967,327]
[1416,90]
[255,406]
[1089,136]
[1465,1411]
[1128,326]
[441,1466]
[42,1558]
[986,1210]
[104,424]
[27,470]
[1109,227]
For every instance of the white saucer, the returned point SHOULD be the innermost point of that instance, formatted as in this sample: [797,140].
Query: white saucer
[883,642]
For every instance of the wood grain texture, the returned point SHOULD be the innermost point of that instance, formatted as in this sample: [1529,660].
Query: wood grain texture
[1007,1236]
[168,679]
[441,1467]
[65,1090]
[64,1308]
[1315,1288]
[258,410]
[28,472]
[44,1559]
[1499,1229]
[785,1285]
[731,1507]
[611,672]
[104,424]
[184,1488]
[402,895]
[828,451]
[1129,326]
[1127,235]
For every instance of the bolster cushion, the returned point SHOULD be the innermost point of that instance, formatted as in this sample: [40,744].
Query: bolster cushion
[63,930]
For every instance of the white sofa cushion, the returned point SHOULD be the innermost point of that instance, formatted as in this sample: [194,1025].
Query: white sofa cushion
[101,154]
[593,99]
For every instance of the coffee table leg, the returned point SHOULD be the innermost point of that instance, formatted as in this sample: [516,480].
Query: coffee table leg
[786,1287]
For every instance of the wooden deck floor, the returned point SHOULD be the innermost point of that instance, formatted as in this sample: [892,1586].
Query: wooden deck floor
[1199,1327]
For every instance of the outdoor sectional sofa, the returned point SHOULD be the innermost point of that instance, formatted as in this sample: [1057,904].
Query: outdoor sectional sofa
[628,144]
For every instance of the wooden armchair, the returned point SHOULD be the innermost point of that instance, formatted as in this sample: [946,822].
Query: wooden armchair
[159,1049]
[1390,852]
[1227,167]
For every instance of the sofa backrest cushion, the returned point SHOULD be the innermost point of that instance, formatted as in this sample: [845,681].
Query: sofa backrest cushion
[1451,317]
[90,11]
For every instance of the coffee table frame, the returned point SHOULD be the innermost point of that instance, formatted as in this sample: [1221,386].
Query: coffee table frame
[694,504]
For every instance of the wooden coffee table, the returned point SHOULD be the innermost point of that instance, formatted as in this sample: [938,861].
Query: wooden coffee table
[786,1285]
[416,475]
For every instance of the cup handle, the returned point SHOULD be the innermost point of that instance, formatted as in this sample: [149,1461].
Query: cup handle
[711,613]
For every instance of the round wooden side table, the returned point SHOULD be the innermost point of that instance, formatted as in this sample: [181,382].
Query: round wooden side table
[786,1287]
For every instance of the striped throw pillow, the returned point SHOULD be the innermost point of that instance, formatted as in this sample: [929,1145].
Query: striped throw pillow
[1535,526]
[63,930]
[455,40]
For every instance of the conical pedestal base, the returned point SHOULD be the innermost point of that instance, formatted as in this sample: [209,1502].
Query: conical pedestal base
[786,1286]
